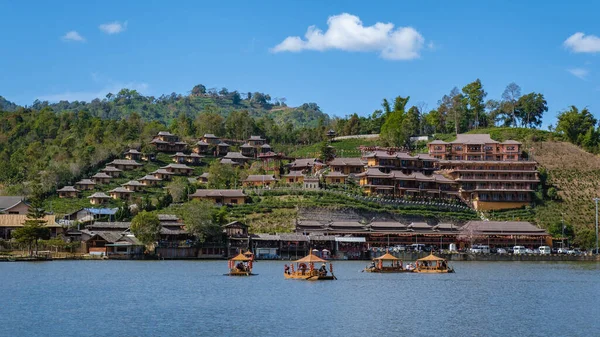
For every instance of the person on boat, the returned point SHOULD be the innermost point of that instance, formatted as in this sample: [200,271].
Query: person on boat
[323,270]
[240,266]
[302,268]
[287,269]
[372,265]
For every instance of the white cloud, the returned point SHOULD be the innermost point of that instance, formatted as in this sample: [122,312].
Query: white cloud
[346,32]
[581,73]
[113,27]
[580,43]
[73,36]
[88,96]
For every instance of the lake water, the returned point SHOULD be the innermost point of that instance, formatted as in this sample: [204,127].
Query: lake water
[193,298]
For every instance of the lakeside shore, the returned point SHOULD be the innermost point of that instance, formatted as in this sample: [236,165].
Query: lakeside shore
[404,257]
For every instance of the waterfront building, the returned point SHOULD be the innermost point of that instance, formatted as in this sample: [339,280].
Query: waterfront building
[10,222]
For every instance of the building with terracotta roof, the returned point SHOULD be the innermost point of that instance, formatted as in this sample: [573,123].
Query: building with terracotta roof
[347,165]
[294,177]
[259,180]
[491,175]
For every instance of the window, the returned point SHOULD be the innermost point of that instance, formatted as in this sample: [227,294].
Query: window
[437,148]
[489,148]
[458,148]
[234,201]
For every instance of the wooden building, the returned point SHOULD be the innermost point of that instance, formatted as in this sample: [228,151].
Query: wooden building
[150,180]
[491,175]
[98,198]
[306,165]
[220,196]
[68,192]
[101,178]
[120,193]
[133,154]
[112,171]
[168,142]
[125,164]
[13,205]
[162,174]
[237,157]
[334,177]
[347,165]
[259,180]
[134,185]
[85,185]
[294,177]
[10,222]
[178,169]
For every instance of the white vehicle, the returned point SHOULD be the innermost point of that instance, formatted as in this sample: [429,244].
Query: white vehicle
[480,249]
[545,250]
[501,251]
[518,250]
[562,250]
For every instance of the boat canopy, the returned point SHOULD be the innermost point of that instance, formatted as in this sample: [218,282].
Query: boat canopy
[431,257]
[387,257]
[241,257]
[311,258]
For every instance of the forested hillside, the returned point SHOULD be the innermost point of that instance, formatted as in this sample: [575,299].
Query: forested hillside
[167,108]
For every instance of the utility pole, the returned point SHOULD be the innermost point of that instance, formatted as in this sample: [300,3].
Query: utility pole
[596,200]
[562,223]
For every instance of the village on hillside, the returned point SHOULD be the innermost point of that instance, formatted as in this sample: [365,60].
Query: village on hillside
[472,172]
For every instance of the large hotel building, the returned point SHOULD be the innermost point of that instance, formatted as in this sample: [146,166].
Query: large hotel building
[491,175]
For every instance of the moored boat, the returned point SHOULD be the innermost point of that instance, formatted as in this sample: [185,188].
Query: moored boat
[305,269]
[241,265]
[432,264]
[378,265]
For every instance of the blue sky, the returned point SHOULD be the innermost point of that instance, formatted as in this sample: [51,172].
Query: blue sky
[82,49]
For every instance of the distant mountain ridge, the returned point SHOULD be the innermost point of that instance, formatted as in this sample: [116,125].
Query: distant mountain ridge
[6,105]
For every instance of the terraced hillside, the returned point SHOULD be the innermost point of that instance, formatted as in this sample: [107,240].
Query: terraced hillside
[576,175]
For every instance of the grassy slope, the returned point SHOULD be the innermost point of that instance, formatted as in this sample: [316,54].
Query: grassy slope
[576,175]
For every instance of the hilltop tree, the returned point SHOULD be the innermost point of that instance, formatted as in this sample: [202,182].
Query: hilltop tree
[199,219]
[394,131]
[574,124]
[530,109]
[146,227]
[199,90]
[34,228]
[510,97]
[222,176]
[473,94]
